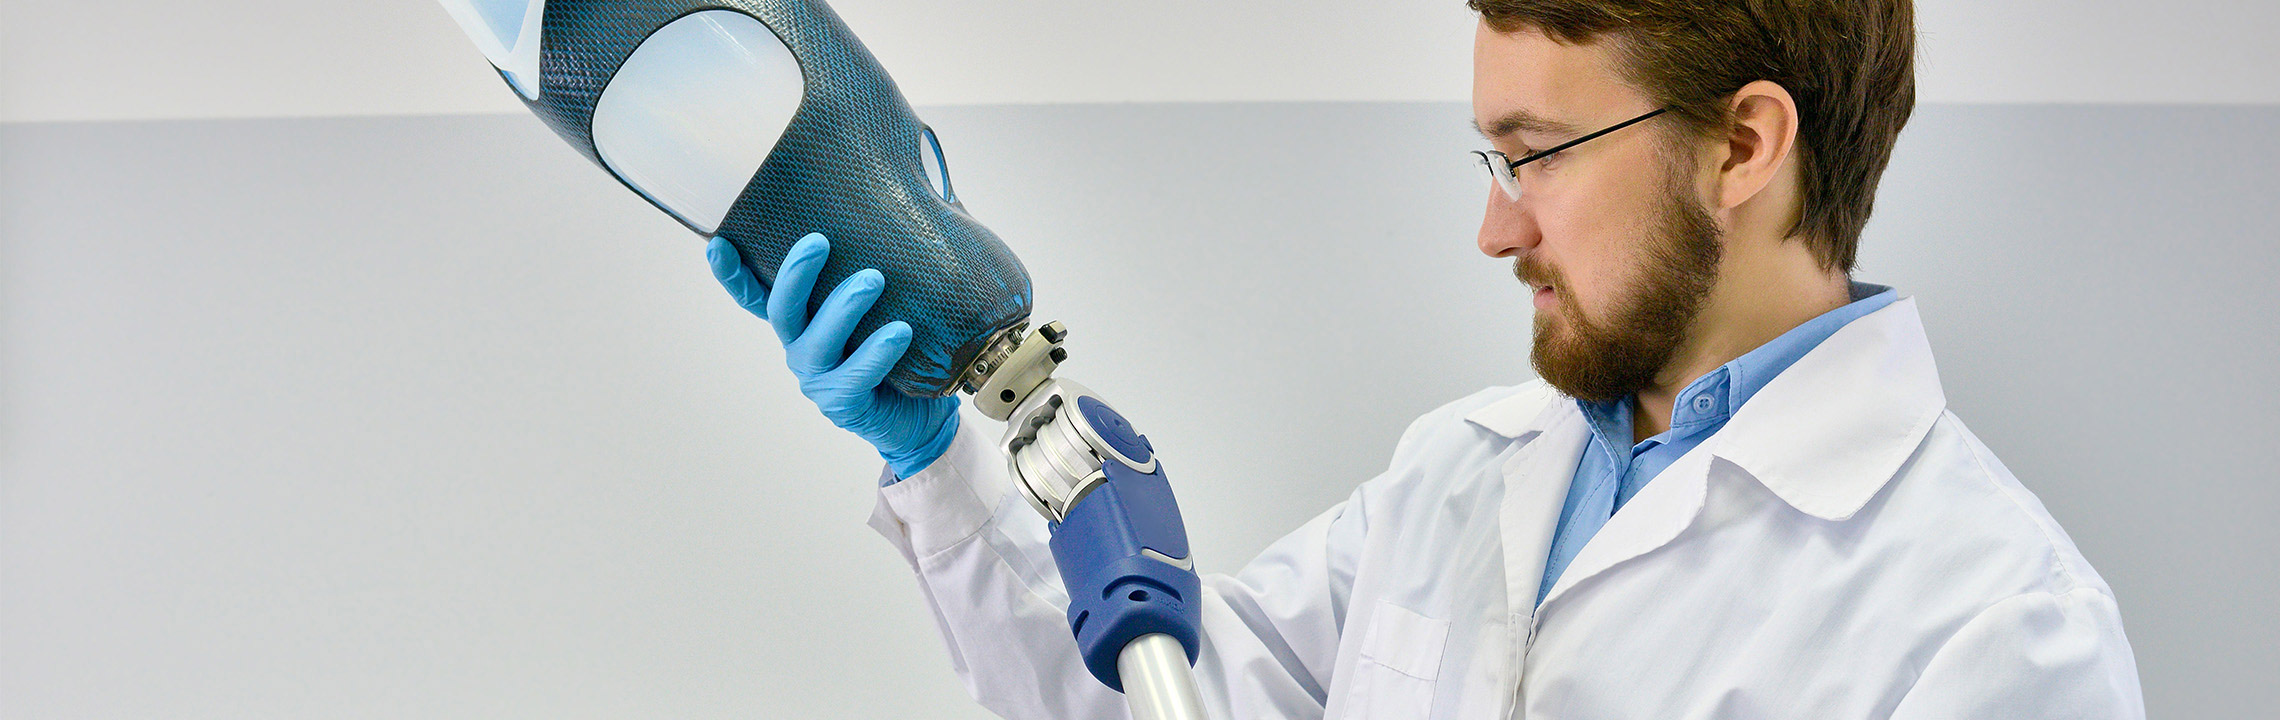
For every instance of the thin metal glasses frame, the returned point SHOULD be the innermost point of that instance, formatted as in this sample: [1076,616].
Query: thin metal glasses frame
[1509,178]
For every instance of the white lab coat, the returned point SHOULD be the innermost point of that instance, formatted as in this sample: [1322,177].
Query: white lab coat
[1842,548]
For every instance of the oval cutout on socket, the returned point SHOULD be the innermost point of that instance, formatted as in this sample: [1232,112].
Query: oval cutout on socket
[937,169]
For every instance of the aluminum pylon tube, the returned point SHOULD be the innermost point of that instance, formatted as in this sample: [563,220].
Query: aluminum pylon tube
[1158,684]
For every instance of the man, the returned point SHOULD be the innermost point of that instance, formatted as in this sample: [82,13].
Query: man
[1735,492]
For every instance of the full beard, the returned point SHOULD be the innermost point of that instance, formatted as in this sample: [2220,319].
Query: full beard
[1606,361]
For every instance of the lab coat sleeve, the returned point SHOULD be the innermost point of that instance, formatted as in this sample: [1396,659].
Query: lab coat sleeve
[1270,632]
[2036,655]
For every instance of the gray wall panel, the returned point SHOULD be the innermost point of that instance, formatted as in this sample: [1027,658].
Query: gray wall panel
[2098,284]
[427,417]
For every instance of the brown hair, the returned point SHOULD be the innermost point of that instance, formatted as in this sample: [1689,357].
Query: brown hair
[1850,64]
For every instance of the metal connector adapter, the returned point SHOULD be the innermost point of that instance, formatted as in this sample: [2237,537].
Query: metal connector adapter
[1007,371]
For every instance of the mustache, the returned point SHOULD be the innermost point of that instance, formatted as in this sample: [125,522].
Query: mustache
[1536,273]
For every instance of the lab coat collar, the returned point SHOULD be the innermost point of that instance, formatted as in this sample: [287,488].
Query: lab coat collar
[1829,432]
[1826,434]
[1531,409]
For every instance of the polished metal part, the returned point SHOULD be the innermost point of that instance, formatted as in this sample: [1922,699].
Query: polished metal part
[992,355]
[1056,458]
[1187,564]
[1158,684]
[1055,454]
[1006,372]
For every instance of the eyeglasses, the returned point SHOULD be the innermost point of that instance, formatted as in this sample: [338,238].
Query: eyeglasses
[1504,170]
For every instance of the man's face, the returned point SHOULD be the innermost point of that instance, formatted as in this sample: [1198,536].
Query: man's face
[1611,234]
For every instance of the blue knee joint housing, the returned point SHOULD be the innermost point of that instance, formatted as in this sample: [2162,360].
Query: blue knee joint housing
[1123,555]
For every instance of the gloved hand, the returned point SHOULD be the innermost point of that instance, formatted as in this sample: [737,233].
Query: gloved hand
[909,432]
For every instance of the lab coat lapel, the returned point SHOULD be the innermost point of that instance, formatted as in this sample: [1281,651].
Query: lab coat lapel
[1536,479]
[1665,507]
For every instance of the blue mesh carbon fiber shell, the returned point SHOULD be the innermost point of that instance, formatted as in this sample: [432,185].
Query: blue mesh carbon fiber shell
[847,166]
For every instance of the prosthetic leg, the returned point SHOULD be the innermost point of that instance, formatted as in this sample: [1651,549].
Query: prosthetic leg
[764,120]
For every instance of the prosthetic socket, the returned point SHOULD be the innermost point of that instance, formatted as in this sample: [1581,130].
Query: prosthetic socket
[764,120]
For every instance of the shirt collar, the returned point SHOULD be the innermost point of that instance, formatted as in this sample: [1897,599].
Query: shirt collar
[1824,433]
[1711,399]
[1748,374]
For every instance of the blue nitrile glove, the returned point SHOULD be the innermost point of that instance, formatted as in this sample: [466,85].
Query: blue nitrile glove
[909,432]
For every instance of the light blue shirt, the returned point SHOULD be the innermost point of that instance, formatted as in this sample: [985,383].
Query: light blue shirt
[1605,478]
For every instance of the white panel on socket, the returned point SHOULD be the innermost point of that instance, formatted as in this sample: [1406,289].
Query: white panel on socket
[695,109]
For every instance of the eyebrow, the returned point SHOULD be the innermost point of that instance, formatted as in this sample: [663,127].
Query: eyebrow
[1519,120]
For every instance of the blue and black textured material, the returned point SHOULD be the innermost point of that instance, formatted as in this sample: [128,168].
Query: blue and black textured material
[847,166]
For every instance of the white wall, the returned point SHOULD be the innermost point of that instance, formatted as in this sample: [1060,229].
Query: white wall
[73,60]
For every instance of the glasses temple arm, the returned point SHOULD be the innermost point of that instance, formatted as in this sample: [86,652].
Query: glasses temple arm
[1534,156]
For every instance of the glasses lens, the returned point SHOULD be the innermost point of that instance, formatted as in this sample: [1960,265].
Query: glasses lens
[1499,172]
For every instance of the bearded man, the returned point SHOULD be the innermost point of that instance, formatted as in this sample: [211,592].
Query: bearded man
[1736,490]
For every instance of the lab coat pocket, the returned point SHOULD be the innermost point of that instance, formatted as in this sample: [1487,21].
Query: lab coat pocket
[1400,660]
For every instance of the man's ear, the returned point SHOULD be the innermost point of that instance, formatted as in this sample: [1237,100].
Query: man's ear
[1758,144]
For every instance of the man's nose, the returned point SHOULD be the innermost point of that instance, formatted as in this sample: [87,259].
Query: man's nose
[1507,228]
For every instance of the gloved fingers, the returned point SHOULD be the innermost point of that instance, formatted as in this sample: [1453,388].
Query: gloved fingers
[795,281]
[818,349]
[728,267]
[867,367]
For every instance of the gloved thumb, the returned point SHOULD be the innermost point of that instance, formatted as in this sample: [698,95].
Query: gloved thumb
[728,268]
